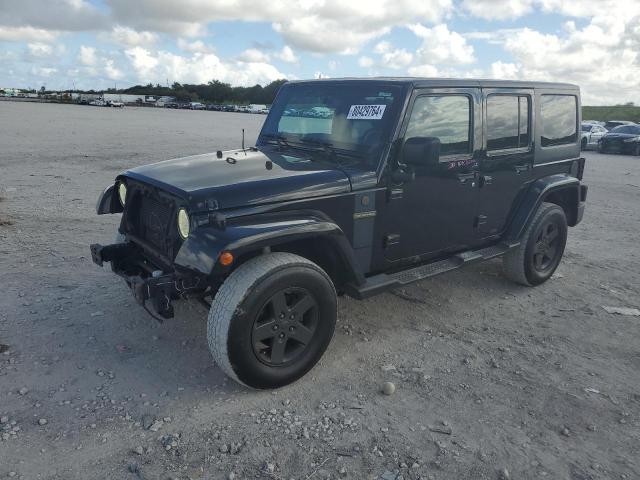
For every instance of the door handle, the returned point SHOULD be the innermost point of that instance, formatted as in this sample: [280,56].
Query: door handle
[522,168]
[485,180]
[466,177]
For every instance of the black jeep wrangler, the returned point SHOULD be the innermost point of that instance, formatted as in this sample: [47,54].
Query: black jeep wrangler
[355,186]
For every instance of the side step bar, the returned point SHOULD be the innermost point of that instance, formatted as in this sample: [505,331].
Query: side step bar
[386,281]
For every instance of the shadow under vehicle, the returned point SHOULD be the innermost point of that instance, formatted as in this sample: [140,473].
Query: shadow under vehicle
[396,181]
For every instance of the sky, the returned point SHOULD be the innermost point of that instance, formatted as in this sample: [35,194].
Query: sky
[100,44]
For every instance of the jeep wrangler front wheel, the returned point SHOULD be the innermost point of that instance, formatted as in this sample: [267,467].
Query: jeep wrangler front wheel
[541,248]
[271,320]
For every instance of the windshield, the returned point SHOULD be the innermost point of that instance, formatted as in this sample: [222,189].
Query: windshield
[352,119]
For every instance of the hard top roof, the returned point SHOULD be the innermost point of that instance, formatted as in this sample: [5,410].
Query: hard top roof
[448,82]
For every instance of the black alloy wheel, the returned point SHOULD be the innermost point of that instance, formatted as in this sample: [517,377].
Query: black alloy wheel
[285,326]
[272,319]
[547,246]
[541,247]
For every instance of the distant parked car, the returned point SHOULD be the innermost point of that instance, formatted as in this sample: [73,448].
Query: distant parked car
[594,122]
[98,102]
[171,105]
[611,124]
[622,139]
[196,106]
[116,104]
[591,135]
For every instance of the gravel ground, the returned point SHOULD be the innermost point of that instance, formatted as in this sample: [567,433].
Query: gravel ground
[493,380]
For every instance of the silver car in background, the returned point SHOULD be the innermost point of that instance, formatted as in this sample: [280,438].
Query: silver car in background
[591,134]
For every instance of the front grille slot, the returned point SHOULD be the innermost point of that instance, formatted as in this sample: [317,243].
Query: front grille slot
[150,217]
[153,222]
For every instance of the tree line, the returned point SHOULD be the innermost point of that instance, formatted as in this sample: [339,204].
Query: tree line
[212,92]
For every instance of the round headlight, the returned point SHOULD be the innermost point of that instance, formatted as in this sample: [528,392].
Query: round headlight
[183,223]
[122,193]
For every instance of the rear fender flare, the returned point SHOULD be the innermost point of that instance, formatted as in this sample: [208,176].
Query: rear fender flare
[200,252]
[540,190]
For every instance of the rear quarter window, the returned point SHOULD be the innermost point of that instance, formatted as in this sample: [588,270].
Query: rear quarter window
[559,118]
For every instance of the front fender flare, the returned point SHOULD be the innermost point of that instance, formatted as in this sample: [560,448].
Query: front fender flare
[535,195]
[201,250]
[108,202]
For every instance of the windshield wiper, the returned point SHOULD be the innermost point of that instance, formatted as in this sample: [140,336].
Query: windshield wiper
[281,140]
[330,149]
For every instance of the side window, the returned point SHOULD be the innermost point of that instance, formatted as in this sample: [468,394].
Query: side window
[447,117]
[559,120]
[507,122]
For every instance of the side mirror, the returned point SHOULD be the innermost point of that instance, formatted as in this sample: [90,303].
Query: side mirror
[421,151]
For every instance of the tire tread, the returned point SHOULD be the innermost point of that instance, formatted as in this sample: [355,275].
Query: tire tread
[513,262]
[232,293]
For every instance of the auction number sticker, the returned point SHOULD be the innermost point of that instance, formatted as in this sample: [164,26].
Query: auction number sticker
[366,112]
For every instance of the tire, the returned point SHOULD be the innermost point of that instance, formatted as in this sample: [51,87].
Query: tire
[271,320]
[541,249]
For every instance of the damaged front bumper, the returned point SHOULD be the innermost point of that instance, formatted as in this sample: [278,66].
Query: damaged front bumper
[149,284]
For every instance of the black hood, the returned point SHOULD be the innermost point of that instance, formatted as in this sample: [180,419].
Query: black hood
[243,178]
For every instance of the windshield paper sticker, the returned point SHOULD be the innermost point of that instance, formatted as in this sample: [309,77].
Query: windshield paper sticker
[366,112]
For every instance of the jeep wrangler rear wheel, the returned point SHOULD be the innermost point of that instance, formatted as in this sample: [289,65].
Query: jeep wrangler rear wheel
[541,247]
[271,320]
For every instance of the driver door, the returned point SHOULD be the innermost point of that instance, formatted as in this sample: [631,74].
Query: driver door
[436,212]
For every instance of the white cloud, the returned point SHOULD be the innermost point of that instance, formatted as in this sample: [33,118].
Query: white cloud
[424,70]
[58,15]
[498,9]
[287,55]
[314,25]
[602,57]
[40,50]
[44,71]
[504,71]
[396,59]
[197,46]
[440,45]
[111,71]
[253,55]
[382,47]
[129,37]
[142,61]
[198,68]
[26,34]
[87,55]
[365,62]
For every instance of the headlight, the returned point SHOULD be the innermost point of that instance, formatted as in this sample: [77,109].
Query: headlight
[183,223]
[122,192]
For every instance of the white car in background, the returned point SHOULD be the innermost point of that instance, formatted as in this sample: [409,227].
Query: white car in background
[591,133]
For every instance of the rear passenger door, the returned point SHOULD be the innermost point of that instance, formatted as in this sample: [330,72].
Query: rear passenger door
[507,156]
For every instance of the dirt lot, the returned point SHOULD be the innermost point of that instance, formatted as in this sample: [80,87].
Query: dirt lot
[493,380]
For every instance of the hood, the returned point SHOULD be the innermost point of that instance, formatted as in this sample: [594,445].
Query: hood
[243,178]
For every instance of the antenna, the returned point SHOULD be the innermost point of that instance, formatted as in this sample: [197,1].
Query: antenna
[243,141]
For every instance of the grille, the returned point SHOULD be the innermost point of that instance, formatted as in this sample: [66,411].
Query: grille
[151,219]
[153,222]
